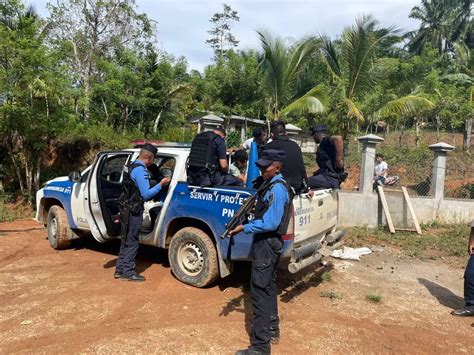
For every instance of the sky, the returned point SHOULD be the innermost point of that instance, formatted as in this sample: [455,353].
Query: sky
[183,24]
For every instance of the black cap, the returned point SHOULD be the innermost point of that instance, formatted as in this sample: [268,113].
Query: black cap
[257,132]
[268,156]
[150,147]
[318,128]
[221,129]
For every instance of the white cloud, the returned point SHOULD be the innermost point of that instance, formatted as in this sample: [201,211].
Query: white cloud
[183,24]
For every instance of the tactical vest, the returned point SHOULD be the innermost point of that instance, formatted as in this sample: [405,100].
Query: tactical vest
[326,155]
[326,159]
[202,154]
[262,206]
[131,200]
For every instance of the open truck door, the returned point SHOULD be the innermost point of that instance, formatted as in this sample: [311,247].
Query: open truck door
[103,189]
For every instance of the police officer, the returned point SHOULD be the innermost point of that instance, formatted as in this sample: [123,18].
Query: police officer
[207,163]
[468,309]
[137,191]
[272,213]
[329,158]
[294,171]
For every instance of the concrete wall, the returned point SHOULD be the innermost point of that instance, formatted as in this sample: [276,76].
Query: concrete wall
[358,209]
[363,208]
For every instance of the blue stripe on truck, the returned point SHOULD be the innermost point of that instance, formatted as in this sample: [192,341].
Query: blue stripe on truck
[61,191]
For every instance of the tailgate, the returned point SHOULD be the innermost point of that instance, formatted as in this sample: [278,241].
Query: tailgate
[314,216]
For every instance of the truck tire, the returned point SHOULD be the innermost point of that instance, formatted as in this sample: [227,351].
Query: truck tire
[57,228]
[193,257]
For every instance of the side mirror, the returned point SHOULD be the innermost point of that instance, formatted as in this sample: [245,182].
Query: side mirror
[74,176]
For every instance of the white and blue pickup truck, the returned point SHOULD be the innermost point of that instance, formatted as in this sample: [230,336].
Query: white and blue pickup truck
[186,220]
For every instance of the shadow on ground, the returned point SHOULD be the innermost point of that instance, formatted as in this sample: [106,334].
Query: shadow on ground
[147,255]
[444,295]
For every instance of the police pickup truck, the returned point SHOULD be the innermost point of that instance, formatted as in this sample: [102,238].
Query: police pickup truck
[186,220]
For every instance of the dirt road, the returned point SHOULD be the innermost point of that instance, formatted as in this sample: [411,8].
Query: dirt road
[68,302]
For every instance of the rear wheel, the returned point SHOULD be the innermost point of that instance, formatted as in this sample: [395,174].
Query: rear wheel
[193,257]
[57,228]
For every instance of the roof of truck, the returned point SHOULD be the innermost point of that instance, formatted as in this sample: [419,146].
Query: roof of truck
[158,144]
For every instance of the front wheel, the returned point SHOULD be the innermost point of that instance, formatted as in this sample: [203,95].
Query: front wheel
[57,228]
[193,257]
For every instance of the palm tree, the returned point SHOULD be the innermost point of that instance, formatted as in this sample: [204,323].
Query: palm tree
[442,24]
[280,65]
[351,67]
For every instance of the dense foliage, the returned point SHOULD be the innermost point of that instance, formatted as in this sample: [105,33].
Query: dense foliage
[91,71]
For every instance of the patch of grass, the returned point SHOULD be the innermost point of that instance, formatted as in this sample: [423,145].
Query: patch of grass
[436,241]
[326,276]
[330,294]
[11,210]
[374,298]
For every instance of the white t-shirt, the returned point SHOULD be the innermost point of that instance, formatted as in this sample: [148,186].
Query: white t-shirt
[247,144]
[380,167]
[235,170]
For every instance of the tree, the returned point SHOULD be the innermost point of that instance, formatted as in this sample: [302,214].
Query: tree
[88,30]
[232,85]
[222,39]
[442,24]
[33,90]
[280,65]
[354,76]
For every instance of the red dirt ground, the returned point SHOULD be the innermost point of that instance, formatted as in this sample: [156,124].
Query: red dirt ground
[68,302]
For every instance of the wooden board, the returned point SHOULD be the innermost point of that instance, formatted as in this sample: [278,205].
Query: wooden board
[388,217]
[411,209]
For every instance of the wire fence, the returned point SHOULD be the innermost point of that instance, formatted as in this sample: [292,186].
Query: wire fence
[459,181]
[413,166]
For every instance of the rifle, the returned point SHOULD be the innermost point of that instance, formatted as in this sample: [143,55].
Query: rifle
[240,216]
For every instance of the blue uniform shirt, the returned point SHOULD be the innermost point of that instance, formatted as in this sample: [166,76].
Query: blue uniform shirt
[141,178]
[272,217]
[220,148]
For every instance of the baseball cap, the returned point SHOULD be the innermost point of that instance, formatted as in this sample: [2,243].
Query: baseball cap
[221,129]
[268,156]
[318,128]
[150,147]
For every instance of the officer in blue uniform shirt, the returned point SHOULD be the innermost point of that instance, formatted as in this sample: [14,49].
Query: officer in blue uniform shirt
[137,191]
[272,213]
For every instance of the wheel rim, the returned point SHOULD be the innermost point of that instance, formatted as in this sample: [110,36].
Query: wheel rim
[190,258]
[53,228]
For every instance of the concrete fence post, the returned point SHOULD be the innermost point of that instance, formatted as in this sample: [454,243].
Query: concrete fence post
[440,151]
[368,161]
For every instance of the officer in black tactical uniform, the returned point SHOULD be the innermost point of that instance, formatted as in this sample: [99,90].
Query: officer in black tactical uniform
[293,171]
[329,158]
[272,215]
[137,188]
[207,162]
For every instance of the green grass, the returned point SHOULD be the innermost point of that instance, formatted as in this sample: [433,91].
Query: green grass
[326,276]
[374,298]
[10,211]
[330,294]
[436,241]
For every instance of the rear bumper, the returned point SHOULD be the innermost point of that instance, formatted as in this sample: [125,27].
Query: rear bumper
[312,251]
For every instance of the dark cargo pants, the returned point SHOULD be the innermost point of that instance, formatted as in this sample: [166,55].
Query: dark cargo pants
[266,254]
[129,248]
[469,283]
[322,181]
